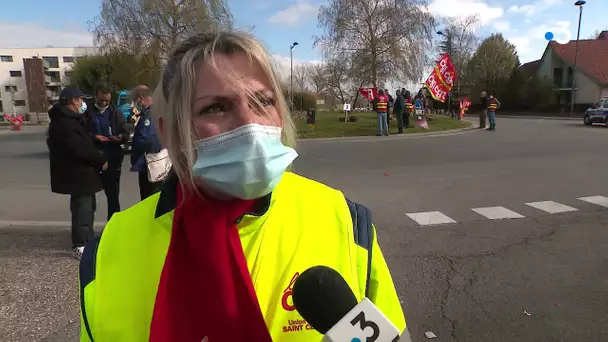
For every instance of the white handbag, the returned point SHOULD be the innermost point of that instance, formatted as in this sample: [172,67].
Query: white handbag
[158,165]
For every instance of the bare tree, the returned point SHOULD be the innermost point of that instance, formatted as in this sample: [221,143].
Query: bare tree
[391,37]
[317,76]
[337,80]
[155,27]
[300,77]
[460,42]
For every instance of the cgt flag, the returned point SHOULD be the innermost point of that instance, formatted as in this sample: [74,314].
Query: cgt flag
[442,79]
[369,93]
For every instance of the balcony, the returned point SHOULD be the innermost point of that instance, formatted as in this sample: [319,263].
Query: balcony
[47,79]
[45,64]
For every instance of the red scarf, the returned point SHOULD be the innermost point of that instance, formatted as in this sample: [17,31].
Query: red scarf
[205,287]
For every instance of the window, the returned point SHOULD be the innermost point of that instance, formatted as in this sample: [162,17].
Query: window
[1,107]
[6,58]
[19,103]
[10,89]
[53,61]
[15,73]
[68,74]
[68,59]
[598,104]
[605,103]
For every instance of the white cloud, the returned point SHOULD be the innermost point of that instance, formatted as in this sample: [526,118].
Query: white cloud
[282,64]
[502,25]
[462,8]
[293,14]
[531,44]
[32,35]
[531,9]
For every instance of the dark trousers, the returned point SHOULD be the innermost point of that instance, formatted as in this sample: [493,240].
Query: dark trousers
[111,185]
[147,188]
[399,116]
[482,118]
[83,215]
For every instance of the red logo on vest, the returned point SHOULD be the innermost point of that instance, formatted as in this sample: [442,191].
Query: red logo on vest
[286,301]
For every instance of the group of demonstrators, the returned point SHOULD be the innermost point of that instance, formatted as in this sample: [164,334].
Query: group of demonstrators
[402,107]
[217,254]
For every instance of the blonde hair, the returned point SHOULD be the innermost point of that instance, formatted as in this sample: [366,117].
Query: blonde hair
[174,94]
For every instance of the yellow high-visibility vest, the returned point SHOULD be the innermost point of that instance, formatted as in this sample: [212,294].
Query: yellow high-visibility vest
[303,224]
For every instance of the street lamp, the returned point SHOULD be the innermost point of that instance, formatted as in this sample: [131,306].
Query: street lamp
[580,4]
[291,73]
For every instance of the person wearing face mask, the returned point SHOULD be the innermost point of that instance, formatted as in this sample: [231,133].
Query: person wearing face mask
[107,127]
[216,253]
[145,141]
[75,164]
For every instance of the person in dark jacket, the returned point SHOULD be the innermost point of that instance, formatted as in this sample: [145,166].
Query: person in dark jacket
[398,109]
[107,127]
[484,102]
[145,141]
[75,164]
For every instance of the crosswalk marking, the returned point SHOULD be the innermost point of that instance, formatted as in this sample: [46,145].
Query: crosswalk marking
[551,207]
[430,218]
[598,200]
[497,213]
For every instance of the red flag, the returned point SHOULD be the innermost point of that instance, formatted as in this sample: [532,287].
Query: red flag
[369,93]
[436,88]
[446,71]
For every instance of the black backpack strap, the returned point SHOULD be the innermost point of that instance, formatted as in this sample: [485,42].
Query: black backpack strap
[364,234]
[88,263]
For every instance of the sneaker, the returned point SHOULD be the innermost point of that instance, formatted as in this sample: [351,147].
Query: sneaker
[77,252]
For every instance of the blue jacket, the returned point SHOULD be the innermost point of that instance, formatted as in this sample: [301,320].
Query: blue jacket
[145,141]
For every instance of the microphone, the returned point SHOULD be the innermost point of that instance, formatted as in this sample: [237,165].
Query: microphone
[327,303]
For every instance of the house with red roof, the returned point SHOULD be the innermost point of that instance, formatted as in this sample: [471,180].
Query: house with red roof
[556,67]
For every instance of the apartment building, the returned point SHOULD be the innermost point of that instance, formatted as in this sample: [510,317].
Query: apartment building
[32,78]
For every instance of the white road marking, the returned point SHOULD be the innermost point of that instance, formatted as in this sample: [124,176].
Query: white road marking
[551,207]
[497,213]
[598,200]
[430,218]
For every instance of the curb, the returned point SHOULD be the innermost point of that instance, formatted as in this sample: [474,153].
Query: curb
[456,131]
[536,117]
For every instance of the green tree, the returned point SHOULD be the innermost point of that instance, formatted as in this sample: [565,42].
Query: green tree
[119,71]
[492,65]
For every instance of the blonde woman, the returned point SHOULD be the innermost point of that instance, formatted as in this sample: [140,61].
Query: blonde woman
[216,253]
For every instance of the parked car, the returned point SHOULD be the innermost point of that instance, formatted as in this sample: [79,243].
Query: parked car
[598,113]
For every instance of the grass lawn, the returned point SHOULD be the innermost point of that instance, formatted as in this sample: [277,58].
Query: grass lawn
[328,126]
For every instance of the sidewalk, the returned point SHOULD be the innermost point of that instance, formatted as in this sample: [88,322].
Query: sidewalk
[24,129]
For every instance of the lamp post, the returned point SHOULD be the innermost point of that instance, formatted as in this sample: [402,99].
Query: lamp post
[448,48]
[580,4]
[291,73]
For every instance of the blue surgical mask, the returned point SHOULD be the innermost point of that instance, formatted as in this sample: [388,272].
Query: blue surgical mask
[246,163]
[83,108]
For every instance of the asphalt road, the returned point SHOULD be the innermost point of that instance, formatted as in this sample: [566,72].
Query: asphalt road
[540,277]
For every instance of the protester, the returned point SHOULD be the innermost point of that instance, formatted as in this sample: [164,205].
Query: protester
[215,255]
[75,164]
[310,118]
[389,111]
[381,107]
[409,107]
[107,127]
[484,102]
[398,109]
[145,141]
[493,105]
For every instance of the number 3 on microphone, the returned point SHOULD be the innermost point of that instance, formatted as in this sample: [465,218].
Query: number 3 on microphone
[363,323]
